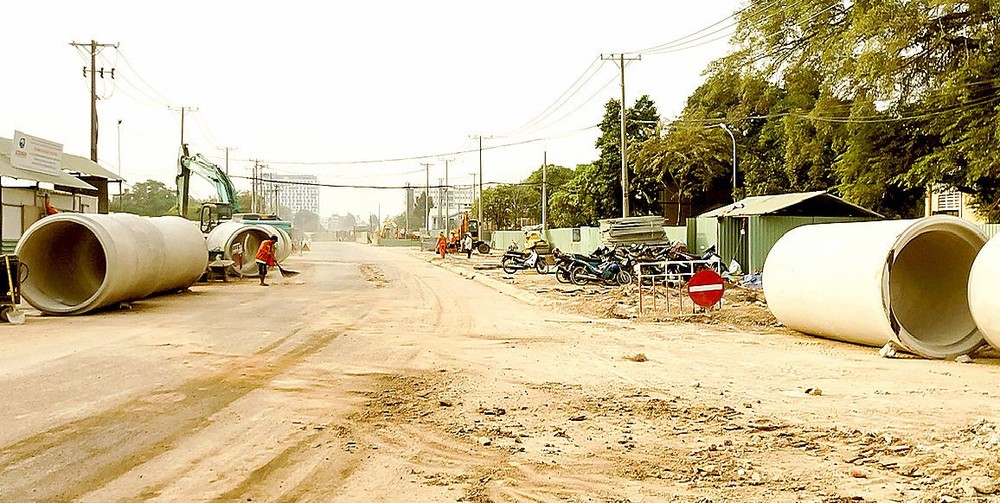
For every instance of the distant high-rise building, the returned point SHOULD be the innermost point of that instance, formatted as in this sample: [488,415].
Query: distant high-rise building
[295,192]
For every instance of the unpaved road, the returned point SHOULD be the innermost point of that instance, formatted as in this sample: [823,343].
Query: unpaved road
[378,376]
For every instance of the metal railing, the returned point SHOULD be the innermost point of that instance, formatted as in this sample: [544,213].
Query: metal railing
[669,271]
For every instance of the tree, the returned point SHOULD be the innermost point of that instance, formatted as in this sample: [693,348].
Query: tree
[573,205]
[924,72]
[150,198]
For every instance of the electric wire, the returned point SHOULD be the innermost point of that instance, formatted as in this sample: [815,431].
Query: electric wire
[566,95]
[427,156]
[128,63]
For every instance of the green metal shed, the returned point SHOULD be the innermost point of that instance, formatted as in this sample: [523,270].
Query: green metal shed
[747,229]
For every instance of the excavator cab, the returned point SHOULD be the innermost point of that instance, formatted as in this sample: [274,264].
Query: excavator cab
[212,213]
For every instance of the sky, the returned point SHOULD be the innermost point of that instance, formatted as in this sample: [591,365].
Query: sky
[318,87]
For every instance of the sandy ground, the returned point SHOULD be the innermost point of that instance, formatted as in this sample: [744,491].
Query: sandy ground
[379,375]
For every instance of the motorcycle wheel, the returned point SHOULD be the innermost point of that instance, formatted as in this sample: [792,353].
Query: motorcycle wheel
[562,275]
[623,278]
[508,266]
[542,266]
[576,275]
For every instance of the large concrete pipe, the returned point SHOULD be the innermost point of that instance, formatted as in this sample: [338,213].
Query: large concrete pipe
[901,281]
[984,297]
[231,237]
[80,262]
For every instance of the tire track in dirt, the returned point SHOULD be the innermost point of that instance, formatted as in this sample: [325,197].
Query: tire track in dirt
[70,460]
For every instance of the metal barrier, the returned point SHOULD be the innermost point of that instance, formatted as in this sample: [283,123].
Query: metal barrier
[665,276]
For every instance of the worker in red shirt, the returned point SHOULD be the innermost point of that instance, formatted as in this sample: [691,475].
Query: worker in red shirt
[265,257]
[49,209]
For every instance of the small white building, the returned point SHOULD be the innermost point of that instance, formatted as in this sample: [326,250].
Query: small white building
[23,193]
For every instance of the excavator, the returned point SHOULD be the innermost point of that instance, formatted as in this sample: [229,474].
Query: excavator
[471,226]
[227,207]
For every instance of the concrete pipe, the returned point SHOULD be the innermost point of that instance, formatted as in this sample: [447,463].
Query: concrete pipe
[901,281]
[80,262]
[984,299]
[232,237]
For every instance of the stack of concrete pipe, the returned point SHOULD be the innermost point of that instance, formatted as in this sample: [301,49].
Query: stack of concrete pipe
[239,242]
[81,262]
[926,286]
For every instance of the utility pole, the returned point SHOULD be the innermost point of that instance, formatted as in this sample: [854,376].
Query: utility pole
[427,196]
[227,149]
[253,186]
[182,110]
[545,164]
[94,47]
[447,196]
[624,154]
[440,183]
[473,192]
[121,200]
[406,204]
[480,138]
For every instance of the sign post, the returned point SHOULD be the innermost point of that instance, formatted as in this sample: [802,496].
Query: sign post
[706,288]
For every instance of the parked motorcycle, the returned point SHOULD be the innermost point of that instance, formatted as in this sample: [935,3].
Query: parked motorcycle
[680,268]
[601,267]
[514,260]
[564,264]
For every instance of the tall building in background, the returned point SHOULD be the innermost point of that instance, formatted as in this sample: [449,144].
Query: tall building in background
[295,192]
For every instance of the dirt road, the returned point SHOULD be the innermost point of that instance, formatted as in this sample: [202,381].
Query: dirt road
[378,376]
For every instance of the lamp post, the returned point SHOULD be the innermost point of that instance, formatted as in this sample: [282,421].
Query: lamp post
[726,129]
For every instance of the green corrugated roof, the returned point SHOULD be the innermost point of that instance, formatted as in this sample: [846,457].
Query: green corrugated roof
[765,205]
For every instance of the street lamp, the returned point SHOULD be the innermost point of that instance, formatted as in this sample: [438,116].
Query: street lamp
[726,129]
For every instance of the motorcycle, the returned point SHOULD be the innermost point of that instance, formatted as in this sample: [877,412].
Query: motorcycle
[679,266]
[564,264]
[514,260]
[601,267]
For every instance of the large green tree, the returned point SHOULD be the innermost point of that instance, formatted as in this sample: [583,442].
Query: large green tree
[907,92]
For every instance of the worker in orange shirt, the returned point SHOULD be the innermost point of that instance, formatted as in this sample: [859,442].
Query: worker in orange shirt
[442,244]
[265,257]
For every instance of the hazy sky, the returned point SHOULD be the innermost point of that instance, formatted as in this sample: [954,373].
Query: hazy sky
[318,82]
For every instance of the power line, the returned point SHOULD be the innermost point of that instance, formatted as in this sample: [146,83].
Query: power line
[681,40]
[128,63]
[262,179]
[427,156]
[566,95]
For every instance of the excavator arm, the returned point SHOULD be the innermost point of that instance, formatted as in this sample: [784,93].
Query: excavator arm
[199,165]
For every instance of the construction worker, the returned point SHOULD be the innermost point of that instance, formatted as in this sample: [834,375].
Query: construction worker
[265,257]
[49,209]
[442,244]
[467,245]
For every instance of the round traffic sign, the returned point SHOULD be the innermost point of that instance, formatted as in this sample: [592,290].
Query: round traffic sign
[706,288]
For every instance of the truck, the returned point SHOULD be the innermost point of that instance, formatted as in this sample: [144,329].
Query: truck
[227,207]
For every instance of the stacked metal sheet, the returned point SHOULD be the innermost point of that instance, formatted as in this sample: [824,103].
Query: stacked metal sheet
[647,230]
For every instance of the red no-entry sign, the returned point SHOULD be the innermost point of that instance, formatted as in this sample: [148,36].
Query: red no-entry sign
[706,288]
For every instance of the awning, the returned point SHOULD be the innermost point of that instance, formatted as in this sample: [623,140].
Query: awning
[84,166]
[60,178]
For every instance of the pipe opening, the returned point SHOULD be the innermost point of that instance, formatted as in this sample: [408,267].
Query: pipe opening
[928,287]
[249,240]
[67,262]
